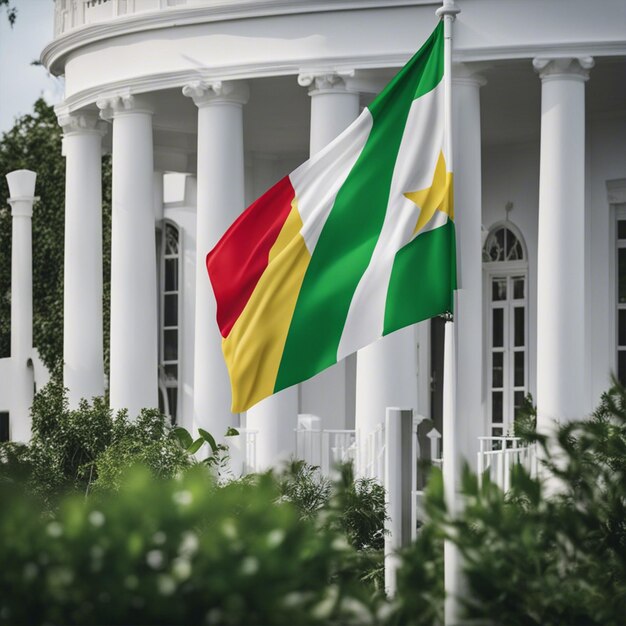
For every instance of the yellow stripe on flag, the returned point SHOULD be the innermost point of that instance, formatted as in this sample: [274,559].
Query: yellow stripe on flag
[254,347]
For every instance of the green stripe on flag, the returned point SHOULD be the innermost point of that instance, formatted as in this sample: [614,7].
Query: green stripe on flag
[349,236]
[422,279]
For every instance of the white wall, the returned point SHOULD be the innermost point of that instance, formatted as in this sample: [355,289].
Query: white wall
[606,151]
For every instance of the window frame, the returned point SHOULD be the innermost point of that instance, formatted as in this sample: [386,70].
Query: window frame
[507,270]
[619,214]
[164,383]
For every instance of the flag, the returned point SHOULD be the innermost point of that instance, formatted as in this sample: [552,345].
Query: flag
[352,245]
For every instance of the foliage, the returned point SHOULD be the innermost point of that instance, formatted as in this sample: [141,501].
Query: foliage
[149,441]
[304,486]
[173,552]
[553,551]
[218,458]
[89,447]
[525,423]
[34,143]
[420,579]
[353,508]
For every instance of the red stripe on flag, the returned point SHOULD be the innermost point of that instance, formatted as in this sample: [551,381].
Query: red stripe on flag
[240,257]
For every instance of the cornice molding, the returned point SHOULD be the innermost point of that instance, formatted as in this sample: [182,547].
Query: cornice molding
[54,53]
[178,79]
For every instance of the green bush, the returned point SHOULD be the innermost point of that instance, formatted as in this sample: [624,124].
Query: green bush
[173,552]
[89,447]
[552,551]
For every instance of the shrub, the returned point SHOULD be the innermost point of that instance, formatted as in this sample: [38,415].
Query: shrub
[89,447]
[553,551]
[173,552]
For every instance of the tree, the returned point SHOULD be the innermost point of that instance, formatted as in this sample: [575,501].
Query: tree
[34,143]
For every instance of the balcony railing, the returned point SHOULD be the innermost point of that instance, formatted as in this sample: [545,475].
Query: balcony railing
[71,14]
[498,455]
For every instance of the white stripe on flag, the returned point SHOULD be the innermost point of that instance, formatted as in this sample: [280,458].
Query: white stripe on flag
[318,180]
[421,144]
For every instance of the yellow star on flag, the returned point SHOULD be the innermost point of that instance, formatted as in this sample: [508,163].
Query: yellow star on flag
[437,197]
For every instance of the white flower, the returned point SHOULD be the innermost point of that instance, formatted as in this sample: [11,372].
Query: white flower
[96,518]
[275,537]
[189,544]
[249,566]
[166,585]
[181,569]
[54,529]
[229,529]
[184,498]
[154,558]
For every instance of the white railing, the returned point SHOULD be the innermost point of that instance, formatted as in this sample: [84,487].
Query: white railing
[498,455]
[242,452]
[325,448]
[71,14]
[371,455]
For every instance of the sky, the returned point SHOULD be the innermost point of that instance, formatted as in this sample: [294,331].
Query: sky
[20,82]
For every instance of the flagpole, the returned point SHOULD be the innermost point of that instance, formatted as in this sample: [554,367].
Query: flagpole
[452,564]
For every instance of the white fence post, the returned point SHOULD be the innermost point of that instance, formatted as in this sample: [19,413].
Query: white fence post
[399,489]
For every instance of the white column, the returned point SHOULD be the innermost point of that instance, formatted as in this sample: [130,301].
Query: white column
[220,201]
[334,106]
[561,242]
[134,353]
[470,420]
[22,188]
[386,375]
[83,362]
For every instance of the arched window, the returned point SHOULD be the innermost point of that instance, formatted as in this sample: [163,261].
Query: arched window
[169,362]
[506,276]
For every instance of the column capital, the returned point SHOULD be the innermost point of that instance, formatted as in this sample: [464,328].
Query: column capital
[468,74]
[208,92]
[122,104]
[81,123]
[563,68]
[22,207]
[326,81]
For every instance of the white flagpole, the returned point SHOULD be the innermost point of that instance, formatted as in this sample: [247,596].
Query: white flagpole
[452,564]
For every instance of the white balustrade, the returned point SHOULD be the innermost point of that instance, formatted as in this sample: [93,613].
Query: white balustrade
[325,448]
[242,452]
[71,14]
[498,455]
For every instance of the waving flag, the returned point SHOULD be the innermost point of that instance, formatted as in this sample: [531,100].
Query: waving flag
[355,243]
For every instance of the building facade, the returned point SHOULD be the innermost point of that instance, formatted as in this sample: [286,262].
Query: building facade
[204,104]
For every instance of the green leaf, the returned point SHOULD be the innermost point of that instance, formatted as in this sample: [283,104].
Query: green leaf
[195,446]
[183,436]
[231,432]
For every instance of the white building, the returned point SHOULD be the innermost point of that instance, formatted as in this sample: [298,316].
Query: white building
[233,94]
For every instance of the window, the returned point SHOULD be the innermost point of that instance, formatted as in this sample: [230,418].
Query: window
[169,320]
[4,426]
[506,269]
[620,288]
